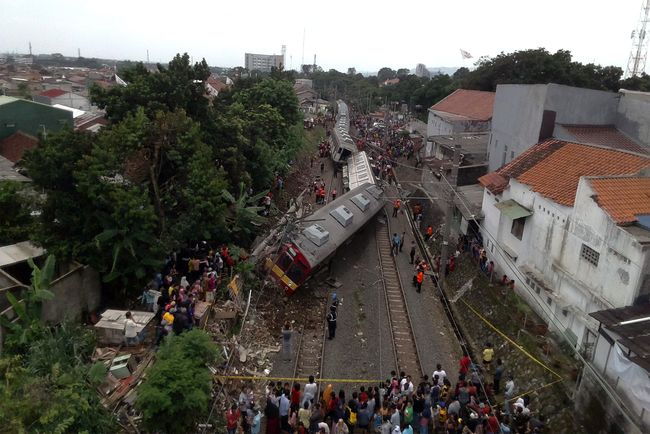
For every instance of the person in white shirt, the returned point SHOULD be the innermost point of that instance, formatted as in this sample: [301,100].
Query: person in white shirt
[130,330]
[310,391]
[440,373]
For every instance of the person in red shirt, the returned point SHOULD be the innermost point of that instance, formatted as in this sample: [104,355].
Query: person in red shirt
[464,364]
[232,417]
[295,397]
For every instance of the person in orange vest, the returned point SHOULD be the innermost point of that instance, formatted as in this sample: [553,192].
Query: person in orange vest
[322,195]
[396,205]
[429,233]
[420,278]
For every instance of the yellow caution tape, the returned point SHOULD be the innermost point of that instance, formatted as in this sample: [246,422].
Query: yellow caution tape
[519,347]
[316,380]
[536,389]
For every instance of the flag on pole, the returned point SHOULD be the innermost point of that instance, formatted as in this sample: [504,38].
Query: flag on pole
[465,54]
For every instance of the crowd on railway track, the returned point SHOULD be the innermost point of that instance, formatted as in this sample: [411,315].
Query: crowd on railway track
[399,405]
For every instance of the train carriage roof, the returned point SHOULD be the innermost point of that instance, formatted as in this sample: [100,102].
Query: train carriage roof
[332,225]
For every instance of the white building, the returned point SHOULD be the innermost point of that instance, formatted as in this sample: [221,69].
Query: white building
[525,114]
[263,62]
[566,222]
[461,112]
[61,97]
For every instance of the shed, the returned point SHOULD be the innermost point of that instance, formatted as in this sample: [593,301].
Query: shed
[110,328]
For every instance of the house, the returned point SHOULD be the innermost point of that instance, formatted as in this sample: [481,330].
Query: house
[461,112]
[9,173]
[568,222]
[525,114]
[92,122]
[14,147]
[214,85]
[31,118]
[59,96]
[621,359]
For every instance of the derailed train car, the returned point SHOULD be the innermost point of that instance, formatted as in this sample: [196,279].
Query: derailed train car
[342,146]
[329,228]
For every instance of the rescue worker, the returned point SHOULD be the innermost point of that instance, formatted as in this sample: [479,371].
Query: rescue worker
[428,233]
[420,278]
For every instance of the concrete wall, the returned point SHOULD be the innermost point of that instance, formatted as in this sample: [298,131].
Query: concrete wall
[575,105]
[518,111]
[633,116]
[436,126]
[76,292]
[516,119]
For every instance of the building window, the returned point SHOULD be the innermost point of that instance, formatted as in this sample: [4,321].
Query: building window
[565,312]
[590,255]
[512,155]
[537,289]
[548,300]
[518,227]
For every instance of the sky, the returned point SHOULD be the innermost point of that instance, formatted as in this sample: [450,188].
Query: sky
[366,35]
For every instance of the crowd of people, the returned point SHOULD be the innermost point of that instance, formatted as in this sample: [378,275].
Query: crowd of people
[189,276]
[395,406]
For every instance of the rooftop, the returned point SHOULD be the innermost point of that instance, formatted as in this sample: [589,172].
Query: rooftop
[53,93]
[553,168]
[13,147]
[470,143]
[623,198]
[605,135]
[7,172]
[634,335]
[471,104]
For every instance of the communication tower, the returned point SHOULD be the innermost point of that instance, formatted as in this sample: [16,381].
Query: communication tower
[639,51]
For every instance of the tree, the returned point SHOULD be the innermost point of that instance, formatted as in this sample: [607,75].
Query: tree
[352,71]
[641,83]
[386,73]
[403,72]
[460,73]
[540,66]
[176,392]
[179,86]
[16,202]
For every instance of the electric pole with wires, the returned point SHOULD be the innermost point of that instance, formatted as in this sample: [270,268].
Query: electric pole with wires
[446,233]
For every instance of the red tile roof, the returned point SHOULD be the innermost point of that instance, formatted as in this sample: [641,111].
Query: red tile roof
[554,167]
[606,135]
[218,85]
[13,147]
[473,104]
[623,198]
[53,93]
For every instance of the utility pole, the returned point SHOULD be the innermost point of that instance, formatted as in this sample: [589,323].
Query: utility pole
[450,189]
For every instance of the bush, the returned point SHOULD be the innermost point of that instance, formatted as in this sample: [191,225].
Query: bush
[176,393]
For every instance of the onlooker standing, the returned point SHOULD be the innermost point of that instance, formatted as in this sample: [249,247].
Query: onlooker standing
[130,330]
[331,323]
[412,252]
[232,416]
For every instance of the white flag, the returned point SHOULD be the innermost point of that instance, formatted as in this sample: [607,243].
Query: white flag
[465,54]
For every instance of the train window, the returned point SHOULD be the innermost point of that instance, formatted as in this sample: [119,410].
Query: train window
[296,273]
[284,261]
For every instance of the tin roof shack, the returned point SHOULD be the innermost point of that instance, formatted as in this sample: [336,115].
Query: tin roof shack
[620,360]
[110,328]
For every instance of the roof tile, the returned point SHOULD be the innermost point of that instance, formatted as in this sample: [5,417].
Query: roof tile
[623,198]
[53,93]
[605,135]
[473,104]
[13,147]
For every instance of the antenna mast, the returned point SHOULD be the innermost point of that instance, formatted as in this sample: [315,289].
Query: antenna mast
[639,51]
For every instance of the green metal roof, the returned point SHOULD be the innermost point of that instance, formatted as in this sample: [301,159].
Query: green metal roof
[512,209]
[7,99]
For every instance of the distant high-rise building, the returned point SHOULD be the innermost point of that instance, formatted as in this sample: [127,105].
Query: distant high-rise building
[263,62]
[422,71]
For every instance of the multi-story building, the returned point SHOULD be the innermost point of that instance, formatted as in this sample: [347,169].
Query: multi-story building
[263,62]
[569,223]
[525,114]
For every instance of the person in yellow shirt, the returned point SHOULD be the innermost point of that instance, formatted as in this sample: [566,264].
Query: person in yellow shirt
[488,355]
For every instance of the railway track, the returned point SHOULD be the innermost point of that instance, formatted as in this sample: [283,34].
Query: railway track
[405,346]
[311,346]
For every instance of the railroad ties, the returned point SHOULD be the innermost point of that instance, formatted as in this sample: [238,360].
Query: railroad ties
[311,343]
[404,344]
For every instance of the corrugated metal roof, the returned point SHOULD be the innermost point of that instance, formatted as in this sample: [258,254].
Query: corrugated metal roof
[19,252]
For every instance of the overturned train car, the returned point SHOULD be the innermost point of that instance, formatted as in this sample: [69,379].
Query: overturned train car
[329,228]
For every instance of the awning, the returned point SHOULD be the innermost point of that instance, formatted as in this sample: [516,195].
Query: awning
[513,210]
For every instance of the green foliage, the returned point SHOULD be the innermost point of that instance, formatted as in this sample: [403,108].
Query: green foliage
[540,66]
[176,392]
[16,203]
[179,86]
[386,73]
[641,83]
[45,380]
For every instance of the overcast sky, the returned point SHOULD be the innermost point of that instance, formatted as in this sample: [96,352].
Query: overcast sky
[363,34]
